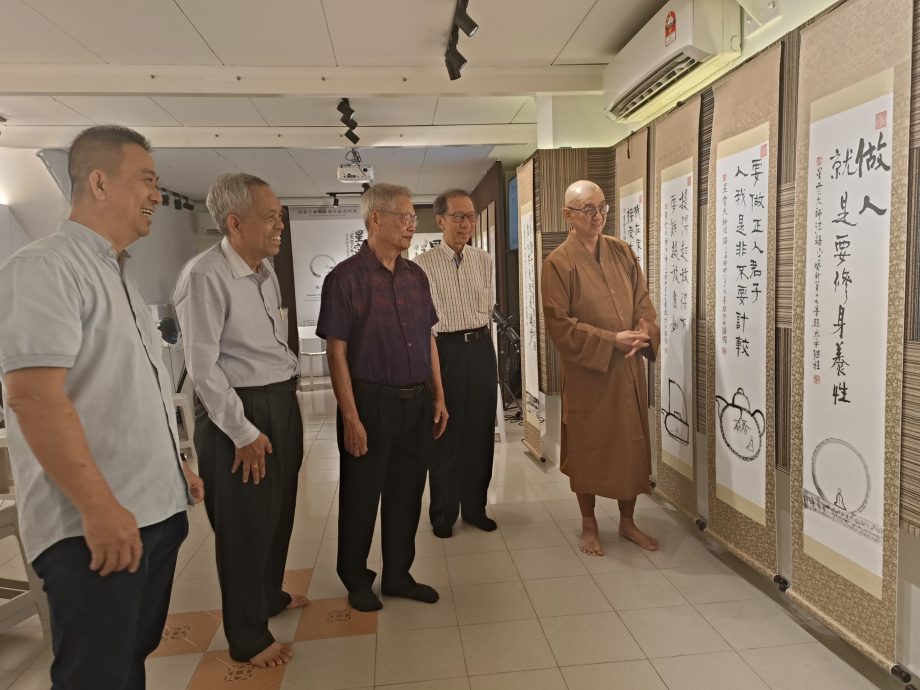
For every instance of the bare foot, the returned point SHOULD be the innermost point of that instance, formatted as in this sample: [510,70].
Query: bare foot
[590,539]
[629,530]
[275,654]
[298,601]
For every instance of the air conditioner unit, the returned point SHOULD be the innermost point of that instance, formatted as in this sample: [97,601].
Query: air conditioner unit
[685,44]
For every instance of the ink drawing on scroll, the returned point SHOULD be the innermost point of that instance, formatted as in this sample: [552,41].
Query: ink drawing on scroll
[846,329]
[743,238]
[676,313]
[675,415]
[531,363]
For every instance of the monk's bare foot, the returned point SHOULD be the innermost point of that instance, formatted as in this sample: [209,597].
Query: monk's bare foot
[275,654]
[629,530]
[298,601]
[590,539]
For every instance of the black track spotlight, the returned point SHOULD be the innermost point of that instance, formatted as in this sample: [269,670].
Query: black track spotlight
[349,122]
[454,61]
[352,137]
[187,205]
[346,109]
[177,202]
[335,200]
[165,198]
[463,20]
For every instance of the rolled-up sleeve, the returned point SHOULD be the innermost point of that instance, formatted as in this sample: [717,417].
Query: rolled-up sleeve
[40,321]
[201,309]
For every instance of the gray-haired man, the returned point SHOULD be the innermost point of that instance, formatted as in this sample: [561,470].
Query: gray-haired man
[229,305]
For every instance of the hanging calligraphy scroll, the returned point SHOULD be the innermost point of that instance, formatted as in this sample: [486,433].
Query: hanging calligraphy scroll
[676,144]
[741,227]
[530,362]
[851,174]
[632,168]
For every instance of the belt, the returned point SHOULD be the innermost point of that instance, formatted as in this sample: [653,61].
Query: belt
[465,336]
[292,384]
[404,392]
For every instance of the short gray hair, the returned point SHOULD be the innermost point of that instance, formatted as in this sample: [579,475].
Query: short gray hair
[230,194]
[440,203]
[382,197]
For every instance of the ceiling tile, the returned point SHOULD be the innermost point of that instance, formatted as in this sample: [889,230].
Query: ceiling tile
[368,33]
[272,32]
[477,110]
[132,111]
[299,111]
[130,32]
[607,28]
[213,111]
[275,166]
[39,110]
[528,112]
[514,32]
[190,171]
[28,38]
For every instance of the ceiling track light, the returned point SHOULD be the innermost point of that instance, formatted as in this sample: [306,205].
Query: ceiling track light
[454,62]
[345,108]
[352,137]
[187,205]
[464,21]
[349,122]
[165,197]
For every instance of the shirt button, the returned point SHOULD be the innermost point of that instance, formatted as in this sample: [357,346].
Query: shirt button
[410,344]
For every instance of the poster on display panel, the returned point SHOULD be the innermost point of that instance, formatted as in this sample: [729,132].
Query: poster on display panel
[529,335]
[742,251]
[846,321]
[676,316]
[321,237]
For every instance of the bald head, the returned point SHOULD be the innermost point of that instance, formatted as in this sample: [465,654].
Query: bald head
[582,190]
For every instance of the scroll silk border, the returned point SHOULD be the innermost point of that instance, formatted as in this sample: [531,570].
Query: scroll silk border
[676,139]
[747,101]
[877,34]
[525,199]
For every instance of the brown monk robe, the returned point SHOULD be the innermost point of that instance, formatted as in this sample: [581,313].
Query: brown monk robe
[598,314]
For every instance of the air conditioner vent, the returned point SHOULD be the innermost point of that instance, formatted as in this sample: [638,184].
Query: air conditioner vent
[667,74]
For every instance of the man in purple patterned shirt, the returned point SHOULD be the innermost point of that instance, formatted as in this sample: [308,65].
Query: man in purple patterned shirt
[376,315]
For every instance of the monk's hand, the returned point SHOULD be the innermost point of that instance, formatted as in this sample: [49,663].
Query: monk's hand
[252,459]
[355,437]
[440,417]
[631,342]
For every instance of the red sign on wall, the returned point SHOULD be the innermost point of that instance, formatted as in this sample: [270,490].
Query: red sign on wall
[670,28]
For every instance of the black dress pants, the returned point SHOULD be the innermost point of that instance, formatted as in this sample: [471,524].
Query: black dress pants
[252,523]
[399,425]
[103,628]
[461,467]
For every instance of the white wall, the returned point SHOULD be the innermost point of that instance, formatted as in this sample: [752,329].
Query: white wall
[157,259]
[12,236]
[31,193]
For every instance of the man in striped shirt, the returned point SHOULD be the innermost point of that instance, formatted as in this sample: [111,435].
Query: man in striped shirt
[461,287]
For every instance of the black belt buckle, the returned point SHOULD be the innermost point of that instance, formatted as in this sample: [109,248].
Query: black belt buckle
[470,335]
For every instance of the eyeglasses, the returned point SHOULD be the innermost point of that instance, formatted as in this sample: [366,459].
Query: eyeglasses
[590,211]
[460,217]
[405,218]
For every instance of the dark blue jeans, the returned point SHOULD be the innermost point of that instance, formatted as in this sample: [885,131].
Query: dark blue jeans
[103,628]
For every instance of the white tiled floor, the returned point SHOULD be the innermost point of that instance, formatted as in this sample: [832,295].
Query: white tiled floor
[521,607]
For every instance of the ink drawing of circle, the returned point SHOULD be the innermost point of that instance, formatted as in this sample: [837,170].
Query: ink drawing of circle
[841,475]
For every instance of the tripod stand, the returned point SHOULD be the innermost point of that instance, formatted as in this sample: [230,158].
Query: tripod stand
[512,350]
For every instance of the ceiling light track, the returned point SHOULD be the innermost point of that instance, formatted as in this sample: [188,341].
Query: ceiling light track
[453,59]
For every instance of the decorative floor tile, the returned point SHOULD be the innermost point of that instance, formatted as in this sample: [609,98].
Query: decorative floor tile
[188,633]
[218,670]
[327,618]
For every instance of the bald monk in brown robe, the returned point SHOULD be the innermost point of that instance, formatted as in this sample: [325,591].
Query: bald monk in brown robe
[599,316]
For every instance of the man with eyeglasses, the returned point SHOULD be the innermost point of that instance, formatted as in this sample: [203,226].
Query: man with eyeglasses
[598,314]
[376,316]
[461,286]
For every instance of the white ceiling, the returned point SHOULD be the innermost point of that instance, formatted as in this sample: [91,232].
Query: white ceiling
[167,68]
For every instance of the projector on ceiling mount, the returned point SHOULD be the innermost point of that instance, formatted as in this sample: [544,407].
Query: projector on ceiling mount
[355,173]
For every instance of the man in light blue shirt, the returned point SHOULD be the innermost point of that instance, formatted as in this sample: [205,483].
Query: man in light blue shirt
[101,487]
